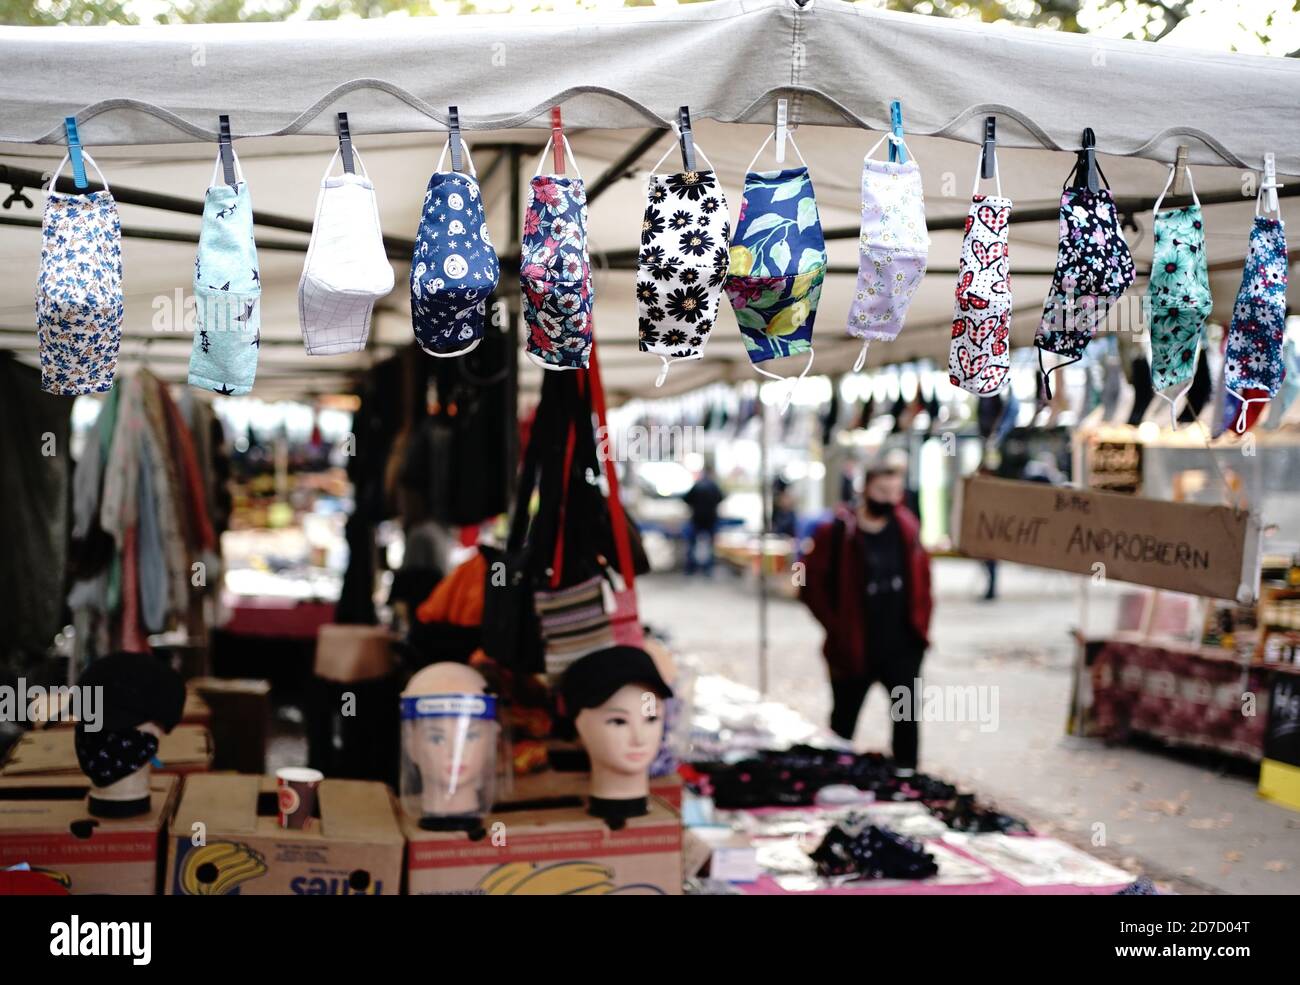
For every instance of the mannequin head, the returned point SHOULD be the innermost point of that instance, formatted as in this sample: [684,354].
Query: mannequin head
[449,739]
[615,697]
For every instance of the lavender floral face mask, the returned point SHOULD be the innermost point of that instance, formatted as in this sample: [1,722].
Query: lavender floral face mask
[892,249]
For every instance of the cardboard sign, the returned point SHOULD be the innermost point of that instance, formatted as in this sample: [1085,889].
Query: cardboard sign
[1185,547]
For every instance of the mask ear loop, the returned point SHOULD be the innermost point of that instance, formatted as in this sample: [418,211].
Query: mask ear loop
[216,168]
[85,156]
[547,149]
[997,178]
[469,160]
[770,137]
[862,356]
[794,381]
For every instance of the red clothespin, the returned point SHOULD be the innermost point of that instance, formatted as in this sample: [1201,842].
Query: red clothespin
[557,139]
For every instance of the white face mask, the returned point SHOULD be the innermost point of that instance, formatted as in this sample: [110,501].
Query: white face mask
[347,268]
[79,304]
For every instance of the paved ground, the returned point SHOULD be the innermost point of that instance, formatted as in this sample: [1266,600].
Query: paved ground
[1192,822]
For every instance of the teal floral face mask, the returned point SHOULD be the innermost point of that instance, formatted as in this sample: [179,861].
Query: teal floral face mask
[778,262]
[1178,294]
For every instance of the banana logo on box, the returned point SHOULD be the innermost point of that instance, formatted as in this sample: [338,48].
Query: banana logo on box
[561,879]
[218,869]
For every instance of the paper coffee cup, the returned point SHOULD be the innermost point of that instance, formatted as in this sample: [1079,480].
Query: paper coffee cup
[296,786]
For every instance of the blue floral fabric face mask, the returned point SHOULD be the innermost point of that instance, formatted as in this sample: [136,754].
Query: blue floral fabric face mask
[1178,294]
[555,272]
[778,263]
[79,305]
[227,291]
[1253,368]
[455,268]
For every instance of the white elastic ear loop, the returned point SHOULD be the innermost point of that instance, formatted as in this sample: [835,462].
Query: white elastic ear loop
[1169,183]
[468,160]
[1173,401]
[663,373]
[894,139]
[216,168]
[997,177]
[677,131]
[1240,425]
[567,149]
[862,356]
[793,380]
[770,137]
[54,176]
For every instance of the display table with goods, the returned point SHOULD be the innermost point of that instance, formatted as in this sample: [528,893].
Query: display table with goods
[776,805]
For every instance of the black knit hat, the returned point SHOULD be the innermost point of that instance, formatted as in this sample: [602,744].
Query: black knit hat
[589,681]
[138,688]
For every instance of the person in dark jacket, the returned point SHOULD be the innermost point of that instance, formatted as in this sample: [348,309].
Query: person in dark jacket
[703,500]
[867,581]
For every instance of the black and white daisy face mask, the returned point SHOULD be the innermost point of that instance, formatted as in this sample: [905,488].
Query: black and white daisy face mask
[683,263]
[107,757]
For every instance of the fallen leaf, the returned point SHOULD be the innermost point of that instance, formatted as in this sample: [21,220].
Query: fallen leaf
[1277,865]
[1232,856]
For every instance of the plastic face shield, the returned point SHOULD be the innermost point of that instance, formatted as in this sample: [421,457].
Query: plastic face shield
[449,758]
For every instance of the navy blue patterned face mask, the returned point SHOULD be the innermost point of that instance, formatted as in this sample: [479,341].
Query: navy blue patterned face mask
[107,757]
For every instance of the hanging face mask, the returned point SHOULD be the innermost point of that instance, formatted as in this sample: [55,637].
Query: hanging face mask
[682,264]
[454,269]
[979,358]
[1093,268]
[778,262]
[892,250]
[1290,388]
[227,290]
[556,270]
[1253,367]
[79,306]
[1178,295]
[347,268]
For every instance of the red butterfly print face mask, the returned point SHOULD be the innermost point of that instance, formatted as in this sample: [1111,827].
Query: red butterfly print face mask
[979,359]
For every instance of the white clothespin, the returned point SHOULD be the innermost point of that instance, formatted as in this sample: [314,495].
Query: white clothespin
[782,131]
[1271,184]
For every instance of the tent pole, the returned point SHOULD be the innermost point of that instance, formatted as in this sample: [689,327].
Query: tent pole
[514,304]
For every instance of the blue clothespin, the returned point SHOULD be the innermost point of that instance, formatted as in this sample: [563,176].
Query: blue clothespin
[74,153]
[896,153]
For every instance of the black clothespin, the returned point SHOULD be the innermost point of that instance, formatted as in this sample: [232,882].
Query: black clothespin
[1085,167]
[686,139]
[226,150]
[989,159]
[345,145]
[453,137]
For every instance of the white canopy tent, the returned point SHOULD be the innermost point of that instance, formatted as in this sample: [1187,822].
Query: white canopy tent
[147,102]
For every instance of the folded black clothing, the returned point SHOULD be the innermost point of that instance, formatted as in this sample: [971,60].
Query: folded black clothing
[792,777]
[866,851]
[964,813]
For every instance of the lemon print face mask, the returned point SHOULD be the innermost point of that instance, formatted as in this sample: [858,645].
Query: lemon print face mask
[778,262]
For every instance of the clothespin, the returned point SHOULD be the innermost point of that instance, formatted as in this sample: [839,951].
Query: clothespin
[896,153]
[685,138]
[989,159]
[557,139]
[345,144]
[453,133]
[1085,169]
[782,128]
[74,153]
[226,151]
[1180,170]
[1271,184]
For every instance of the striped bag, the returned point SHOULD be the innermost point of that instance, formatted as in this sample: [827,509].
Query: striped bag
[574,622]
